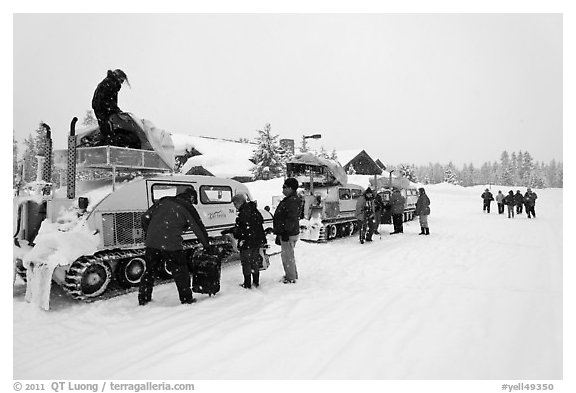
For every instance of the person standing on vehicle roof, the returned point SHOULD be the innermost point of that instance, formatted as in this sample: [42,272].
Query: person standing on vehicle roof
[251,237]
[397,201]
[365,211]
[423,211]
[286,224]
[105,102]
[164,223]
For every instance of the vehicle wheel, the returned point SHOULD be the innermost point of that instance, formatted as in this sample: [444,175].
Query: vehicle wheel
[332,231]
[347,228]
[130,272]
[95,279]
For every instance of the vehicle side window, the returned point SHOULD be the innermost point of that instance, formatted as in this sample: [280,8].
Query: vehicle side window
[356,193]
[161,190]
[215,194]
[344,193]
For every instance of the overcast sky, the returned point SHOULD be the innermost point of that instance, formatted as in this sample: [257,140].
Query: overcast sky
[413,88]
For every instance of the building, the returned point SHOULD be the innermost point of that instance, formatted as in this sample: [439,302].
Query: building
[214,157]
[361,161]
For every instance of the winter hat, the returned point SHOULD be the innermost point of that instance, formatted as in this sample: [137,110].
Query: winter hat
[239,198]
[121,75]
[291,183]
[421,189]
[186,191]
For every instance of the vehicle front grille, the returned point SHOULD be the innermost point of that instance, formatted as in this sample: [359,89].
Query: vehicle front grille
[122,229]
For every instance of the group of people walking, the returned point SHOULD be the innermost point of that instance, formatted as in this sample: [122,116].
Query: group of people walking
[514,202]
[369,209]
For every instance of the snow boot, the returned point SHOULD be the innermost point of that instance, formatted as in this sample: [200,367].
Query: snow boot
[427,231]
[422,231]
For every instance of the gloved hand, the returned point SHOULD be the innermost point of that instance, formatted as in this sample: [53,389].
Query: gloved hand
[211,250]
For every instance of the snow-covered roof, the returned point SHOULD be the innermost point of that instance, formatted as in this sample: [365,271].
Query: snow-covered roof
[222,158]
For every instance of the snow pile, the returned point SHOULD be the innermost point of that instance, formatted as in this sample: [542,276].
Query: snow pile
[479,299]
[59,243]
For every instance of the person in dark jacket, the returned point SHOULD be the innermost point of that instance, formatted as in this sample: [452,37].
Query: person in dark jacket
[397,201]
[365,211]
[510,201]
[423,211]
[487,197]
[105,102]
[500,202]
[286,224]
[251,237]
[518,201]
[530,203]
[164,223]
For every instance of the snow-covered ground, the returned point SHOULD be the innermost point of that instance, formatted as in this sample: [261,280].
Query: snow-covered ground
[480,298]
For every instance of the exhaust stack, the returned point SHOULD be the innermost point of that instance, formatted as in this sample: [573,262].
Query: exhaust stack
[71,172]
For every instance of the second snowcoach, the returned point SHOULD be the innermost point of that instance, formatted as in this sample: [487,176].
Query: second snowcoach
[329,202]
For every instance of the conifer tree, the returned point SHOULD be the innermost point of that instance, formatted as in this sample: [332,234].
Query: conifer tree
[268,156]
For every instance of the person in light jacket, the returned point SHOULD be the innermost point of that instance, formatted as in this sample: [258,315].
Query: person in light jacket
[500,201]
[423,211]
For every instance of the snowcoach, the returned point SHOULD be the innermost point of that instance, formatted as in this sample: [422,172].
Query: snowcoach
[329,201]
[103,223]
[408,190]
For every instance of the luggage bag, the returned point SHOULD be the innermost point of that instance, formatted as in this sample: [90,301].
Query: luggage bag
[206,275]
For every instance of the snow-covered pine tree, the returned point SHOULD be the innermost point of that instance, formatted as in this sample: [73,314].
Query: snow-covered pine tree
[409,172]
[303,146]
[268,156]
[89,118]
[449,175]
[527,168]
[323,153]
[334,155]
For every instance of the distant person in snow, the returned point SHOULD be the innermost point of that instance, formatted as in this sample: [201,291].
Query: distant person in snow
[530,203]
[251,237]
[500,201]
[105,102]
[509,200]
[423,211]
[365,211]
[487,198]
[397,201]
[286,223]
[519,201]
[164,223]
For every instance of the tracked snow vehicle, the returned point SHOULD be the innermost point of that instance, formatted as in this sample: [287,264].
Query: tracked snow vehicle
[93,245]
[329,202]
[384,189]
